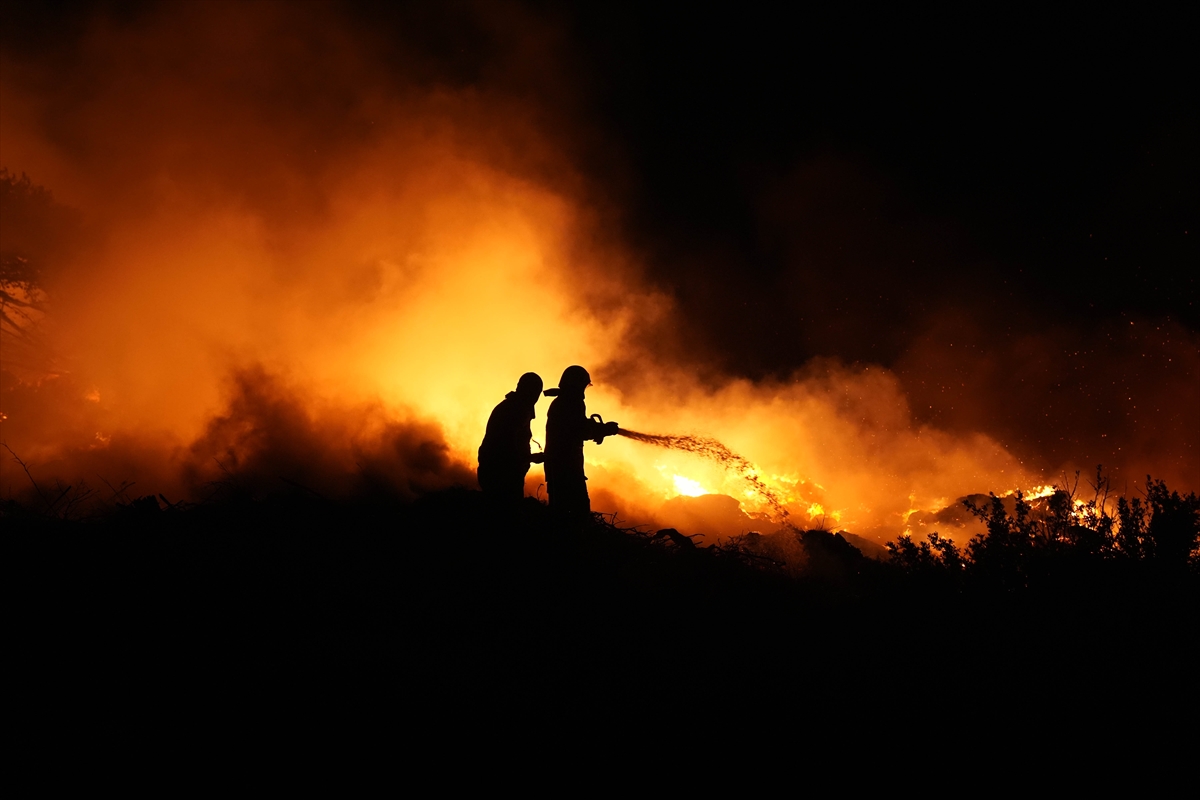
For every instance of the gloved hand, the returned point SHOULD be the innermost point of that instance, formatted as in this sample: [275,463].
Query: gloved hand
[607,429]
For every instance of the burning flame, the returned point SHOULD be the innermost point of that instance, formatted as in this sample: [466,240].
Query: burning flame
[1035,493]
[688,487]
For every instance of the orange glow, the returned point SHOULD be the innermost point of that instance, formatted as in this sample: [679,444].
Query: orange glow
[688,487]
[404,263]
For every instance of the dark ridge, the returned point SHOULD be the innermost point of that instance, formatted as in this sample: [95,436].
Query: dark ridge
[444,608]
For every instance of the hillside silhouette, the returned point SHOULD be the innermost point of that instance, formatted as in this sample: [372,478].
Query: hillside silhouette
[444,606]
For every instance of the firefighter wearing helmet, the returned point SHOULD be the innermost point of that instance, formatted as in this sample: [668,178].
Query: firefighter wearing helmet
[504,456]
[567,428]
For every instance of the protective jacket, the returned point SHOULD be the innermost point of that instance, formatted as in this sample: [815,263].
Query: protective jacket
[567,428]
[504,455]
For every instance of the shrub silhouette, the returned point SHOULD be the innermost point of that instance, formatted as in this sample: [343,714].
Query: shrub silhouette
[1062,537]
[1164,529]
[937,556]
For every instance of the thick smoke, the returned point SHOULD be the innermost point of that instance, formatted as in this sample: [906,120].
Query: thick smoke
[258,189]
[269,435]
[307,256]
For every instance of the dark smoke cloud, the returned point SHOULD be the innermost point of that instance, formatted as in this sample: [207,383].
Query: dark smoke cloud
[1122,393]
[850,267]
[271,437]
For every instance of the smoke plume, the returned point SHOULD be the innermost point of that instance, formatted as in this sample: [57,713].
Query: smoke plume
[304,254]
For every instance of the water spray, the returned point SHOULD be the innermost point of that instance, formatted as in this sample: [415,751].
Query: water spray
[713,450]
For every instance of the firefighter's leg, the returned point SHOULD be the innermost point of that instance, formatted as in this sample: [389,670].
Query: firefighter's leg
[570,498]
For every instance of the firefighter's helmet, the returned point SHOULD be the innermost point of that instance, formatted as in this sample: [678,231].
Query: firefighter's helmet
[530,384]
[576,378]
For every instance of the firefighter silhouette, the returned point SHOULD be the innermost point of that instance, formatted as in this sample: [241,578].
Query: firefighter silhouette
[567,428]
[504,456]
